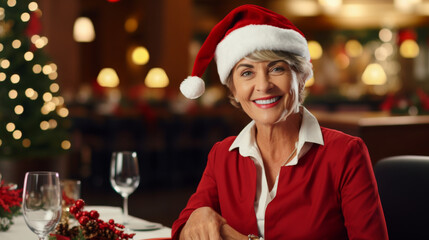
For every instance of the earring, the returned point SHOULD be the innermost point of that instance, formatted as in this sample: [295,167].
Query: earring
[237,100]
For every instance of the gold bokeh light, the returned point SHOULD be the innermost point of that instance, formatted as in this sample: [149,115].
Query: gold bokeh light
[17,134]
[156,78]
[315,49]
[19,109]
[140,55]
[108,78]
[353,48]
[66,144]
[13,94]
[374,75]
[10,127]
[409,49]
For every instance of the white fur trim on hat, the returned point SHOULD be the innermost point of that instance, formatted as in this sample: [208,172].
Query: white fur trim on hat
[243,41]
[192,87]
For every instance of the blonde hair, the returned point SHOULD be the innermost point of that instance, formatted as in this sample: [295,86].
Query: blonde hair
[301,71]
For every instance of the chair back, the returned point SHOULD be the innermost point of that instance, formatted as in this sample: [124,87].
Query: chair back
[403,185]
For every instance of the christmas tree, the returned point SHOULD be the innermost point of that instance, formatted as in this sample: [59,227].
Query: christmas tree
[33,118]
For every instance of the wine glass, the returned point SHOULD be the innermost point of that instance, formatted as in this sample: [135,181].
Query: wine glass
[124,176]
[41,202]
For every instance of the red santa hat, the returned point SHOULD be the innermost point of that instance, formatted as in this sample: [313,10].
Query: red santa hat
[246,29]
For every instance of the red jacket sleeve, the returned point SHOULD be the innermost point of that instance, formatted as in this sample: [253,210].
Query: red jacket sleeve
[206,195]
[360,202]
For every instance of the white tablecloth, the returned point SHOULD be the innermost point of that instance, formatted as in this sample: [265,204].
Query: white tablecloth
[20,231]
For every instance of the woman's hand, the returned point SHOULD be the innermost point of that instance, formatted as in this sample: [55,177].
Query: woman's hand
[203,224]
[229,233]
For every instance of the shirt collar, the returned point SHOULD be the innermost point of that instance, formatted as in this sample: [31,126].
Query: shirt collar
[309,132]
[310,129]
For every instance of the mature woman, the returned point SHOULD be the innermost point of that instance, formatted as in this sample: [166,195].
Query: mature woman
[283,176]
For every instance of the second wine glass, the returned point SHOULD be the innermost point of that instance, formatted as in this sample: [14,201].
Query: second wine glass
[124,176]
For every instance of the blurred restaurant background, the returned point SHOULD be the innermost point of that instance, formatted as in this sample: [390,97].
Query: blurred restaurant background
[107,75]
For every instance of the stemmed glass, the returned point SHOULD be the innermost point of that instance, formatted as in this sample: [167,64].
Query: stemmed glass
[41,202]
[124,176]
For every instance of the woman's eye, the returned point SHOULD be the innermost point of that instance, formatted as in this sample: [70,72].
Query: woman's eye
[246,73]
[278,69]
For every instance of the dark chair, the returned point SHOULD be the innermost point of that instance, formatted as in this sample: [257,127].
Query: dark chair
[403,184]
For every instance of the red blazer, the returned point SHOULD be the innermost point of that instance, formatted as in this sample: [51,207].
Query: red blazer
[330,194]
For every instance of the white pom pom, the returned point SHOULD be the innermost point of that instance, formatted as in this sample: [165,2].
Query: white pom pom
[192,87]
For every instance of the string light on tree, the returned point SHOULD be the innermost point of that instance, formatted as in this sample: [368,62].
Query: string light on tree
[53,75]
[13,94]
[47,69]
[16,44]
[33,6]
[47,97]
[44,125]
[2,76]
[37,68]
[19,109]
[15,78]
[34,38]
[28,56]
[4,63]
[63,112]
[53,67]
[26,142]
[61,100]
[31,94]
[41,42]
[17,134]
[52,123]
[11,3]
[56,101]
[25,17]
[10,127]
[65,144]
[54,87]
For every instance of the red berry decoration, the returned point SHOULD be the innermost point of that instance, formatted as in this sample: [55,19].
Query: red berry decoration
[73,209]
[83,220]
[79,204]
[111,221]
[78,215]
[94,214]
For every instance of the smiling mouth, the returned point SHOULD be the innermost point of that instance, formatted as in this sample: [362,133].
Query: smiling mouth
[267,101]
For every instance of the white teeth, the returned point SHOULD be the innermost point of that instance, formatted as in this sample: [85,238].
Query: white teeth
[267,101]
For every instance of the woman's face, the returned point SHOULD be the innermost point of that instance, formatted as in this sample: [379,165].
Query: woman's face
[263,89]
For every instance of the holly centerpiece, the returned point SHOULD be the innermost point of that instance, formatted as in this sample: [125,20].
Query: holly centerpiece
[90,226]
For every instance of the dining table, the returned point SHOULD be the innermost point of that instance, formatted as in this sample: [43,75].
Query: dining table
[143,229]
